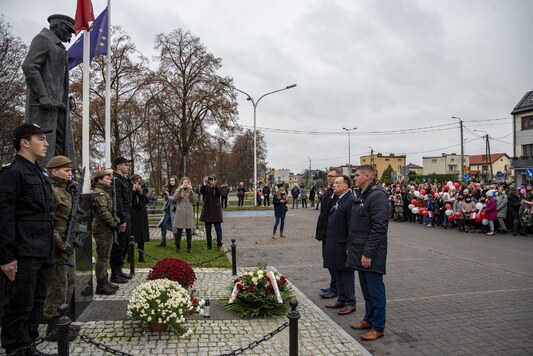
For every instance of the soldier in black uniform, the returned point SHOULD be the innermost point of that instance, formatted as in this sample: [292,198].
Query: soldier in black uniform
[123,193]
[25,239]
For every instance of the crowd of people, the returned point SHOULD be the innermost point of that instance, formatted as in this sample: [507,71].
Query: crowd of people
[466,207]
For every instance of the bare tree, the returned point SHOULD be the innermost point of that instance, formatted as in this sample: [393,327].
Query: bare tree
[190,97]
[12,87]
[242,157]
[129,79]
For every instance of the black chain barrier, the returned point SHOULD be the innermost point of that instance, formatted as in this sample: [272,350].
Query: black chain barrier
[201,263]
[103,347]
[253,344]
[21,351]
[147,254]
[193,264]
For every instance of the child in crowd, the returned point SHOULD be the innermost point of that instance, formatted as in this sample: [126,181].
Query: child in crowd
[458,212]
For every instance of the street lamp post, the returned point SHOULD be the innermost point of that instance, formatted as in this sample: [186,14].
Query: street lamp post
[462,149]
[349,153]
[255,103]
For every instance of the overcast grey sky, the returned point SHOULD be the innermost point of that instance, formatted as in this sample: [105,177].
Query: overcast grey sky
[378,65]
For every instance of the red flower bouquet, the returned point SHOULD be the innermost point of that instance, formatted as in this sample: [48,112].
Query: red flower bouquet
[173,269]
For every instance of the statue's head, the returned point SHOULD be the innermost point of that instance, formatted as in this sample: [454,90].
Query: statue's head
[62,26]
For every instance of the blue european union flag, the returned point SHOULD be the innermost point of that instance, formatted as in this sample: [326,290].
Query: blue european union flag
[99,38]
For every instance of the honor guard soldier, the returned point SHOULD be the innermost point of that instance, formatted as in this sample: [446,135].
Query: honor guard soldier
[104,225]
[62,277]
[25,239]
[123,194]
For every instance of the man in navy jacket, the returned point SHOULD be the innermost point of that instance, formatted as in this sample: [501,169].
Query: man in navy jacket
[368,249]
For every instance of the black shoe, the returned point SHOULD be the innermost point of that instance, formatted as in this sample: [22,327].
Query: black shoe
[125,275]
[328,295]
[178,250]
[74,328]
[324,290]
[188,250]
[117,278]
[141,259]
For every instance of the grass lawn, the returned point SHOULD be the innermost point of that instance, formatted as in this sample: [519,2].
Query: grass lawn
[197,255]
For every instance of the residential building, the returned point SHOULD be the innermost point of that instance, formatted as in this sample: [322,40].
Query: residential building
[523,138]
[480,167]
[415,168]
[381,162]
[444,164]
[282,176]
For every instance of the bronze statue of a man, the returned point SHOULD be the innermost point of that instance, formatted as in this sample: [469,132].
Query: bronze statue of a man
[47,95]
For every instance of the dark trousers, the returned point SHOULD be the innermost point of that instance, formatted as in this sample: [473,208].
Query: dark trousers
[23,302]
[118,252]
[188,233]
[373,290]
[266,201]
[218,230]
[332,274]
[346,286]
[224,201]
[241,201]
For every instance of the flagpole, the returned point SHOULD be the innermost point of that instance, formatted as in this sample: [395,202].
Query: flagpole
[85,117]
[108,90]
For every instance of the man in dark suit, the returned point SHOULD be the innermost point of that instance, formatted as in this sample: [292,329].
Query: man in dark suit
[328,199]
[337,246]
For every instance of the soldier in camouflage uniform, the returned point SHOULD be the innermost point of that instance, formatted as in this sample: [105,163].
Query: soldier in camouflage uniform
[62,277]
[103,226]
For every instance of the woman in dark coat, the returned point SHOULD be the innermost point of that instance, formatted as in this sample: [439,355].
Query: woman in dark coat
[139,215]
[280,209]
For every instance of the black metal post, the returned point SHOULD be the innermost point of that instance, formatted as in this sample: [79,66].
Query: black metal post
[293,316]
[233,257]
[131,253]
[63,325]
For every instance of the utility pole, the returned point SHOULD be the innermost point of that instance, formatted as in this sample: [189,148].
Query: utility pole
[310,174]
[462,149]
[349,153]
[489,159]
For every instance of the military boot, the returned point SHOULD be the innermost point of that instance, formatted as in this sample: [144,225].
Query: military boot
[124,275]
[116,277]
[103,289]
[109,284]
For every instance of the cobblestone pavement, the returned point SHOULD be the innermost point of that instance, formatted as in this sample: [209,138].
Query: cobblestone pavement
[318,335]
[449,293]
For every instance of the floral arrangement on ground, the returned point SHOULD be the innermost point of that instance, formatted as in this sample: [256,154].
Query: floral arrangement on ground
[165,302]
[173,269]
[259,293]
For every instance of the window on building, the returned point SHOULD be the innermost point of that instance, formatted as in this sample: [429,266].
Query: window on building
[527,122]
[386,159]
[452,168]
[452,159]
[527,150]
[434,160]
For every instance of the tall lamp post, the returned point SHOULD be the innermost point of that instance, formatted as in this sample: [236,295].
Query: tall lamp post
[349,153]
[462,149]
[254,103]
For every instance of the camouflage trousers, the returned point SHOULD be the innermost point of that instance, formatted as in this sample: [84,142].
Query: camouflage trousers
[60,287]
[104,242]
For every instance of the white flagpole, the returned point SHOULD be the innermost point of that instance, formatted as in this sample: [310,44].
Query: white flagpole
[85,117]
[108,90]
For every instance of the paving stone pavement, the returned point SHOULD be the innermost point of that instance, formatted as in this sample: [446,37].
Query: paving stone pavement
[318,334]
[449,293]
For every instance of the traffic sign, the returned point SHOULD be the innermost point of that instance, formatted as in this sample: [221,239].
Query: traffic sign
[529,172]
[465,176]
[424,179]
[499,174]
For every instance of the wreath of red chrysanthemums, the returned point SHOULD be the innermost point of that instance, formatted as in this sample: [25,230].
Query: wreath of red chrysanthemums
[174,269]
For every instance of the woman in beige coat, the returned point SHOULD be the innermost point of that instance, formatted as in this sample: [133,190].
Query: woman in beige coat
[183,218]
